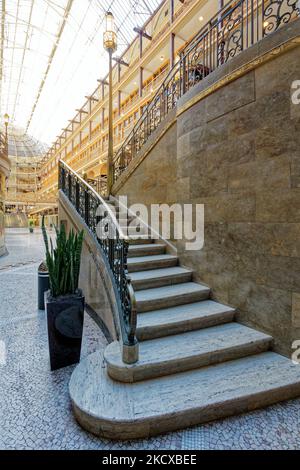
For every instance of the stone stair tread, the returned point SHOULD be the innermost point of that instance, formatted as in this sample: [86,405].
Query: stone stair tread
[165,292]
[149,245]
[126,411]
[152,261]
[198,314]
[172,354]
[159,273]
[145,250]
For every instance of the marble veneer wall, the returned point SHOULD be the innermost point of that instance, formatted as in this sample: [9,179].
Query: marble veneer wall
[238,152]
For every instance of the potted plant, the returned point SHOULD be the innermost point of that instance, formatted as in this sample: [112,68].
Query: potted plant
[31,225]
[64,301]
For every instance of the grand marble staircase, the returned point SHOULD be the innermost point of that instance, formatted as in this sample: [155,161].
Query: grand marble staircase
[195,364]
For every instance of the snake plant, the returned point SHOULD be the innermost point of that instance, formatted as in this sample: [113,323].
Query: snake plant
[63,261]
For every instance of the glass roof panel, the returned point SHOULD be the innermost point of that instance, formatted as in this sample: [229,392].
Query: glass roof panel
[53,56]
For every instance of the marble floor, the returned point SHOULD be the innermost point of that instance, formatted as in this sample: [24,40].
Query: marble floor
[35,411]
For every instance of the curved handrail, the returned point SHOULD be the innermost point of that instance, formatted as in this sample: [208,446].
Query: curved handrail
[234,28]
[113,243]
[98,196]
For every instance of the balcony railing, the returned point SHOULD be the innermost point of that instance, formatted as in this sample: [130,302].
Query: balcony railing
[113,244]
[236,27]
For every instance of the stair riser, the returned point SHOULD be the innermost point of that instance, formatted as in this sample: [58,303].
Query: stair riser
[152,371]
[160,331]
[133,268]
[148,305]
[140,241]
[154,250]
[164,281]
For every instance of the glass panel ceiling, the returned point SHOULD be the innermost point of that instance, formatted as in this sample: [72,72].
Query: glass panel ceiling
[53,56]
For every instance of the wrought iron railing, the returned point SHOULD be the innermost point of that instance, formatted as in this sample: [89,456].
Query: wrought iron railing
[99,184]
[239,25]
[103,225]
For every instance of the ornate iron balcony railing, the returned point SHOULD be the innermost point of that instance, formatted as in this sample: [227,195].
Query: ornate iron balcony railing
[236,27]
[99,217]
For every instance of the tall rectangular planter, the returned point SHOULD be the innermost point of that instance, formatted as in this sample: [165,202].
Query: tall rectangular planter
[65,326]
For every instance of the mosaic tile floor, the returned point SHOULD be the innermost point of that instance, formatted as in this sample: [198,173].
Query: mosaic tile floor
[35,411]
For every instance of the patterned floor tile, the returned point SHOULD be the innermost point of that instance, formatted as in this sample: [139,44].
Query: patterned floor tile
[35,409]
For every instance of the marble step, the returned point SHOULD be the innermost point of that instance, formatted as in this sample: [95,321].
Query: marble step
[160,277]
[170,321]
[143,263]
[170,296]
[146,250]
[186,351]
[115,410]
[133,231]
[141,240]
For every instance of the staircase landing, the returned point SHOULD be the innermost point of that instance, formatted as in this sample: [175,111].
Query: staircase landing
[127,411]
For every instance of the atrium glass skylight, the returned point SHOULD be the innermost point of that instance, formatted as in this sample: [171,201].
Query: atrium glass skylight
[53,55]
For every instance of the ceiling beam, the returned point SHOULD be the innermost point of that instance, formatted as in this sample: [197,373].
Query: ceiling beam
[91,98]
[120,61]
[51,57]
[103,82]
[23,58]
[143,33]
[82,111]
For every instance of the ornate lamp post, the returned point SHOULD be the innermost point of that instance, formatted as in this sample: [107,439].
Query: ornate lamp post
[6,121]
[110,45]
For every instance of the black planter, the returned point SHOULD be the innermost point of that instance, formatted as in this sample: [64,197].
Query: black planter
[65,325]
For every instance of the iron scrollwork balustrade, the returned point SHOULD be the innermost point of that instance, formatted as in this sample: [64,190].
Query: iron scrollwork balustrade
[95,213]
[99,184]
[278,13]
[236,27]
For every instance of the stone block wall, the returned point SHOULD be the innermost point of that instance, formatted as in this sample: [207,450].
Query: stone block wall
[237,151]
[243,154]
